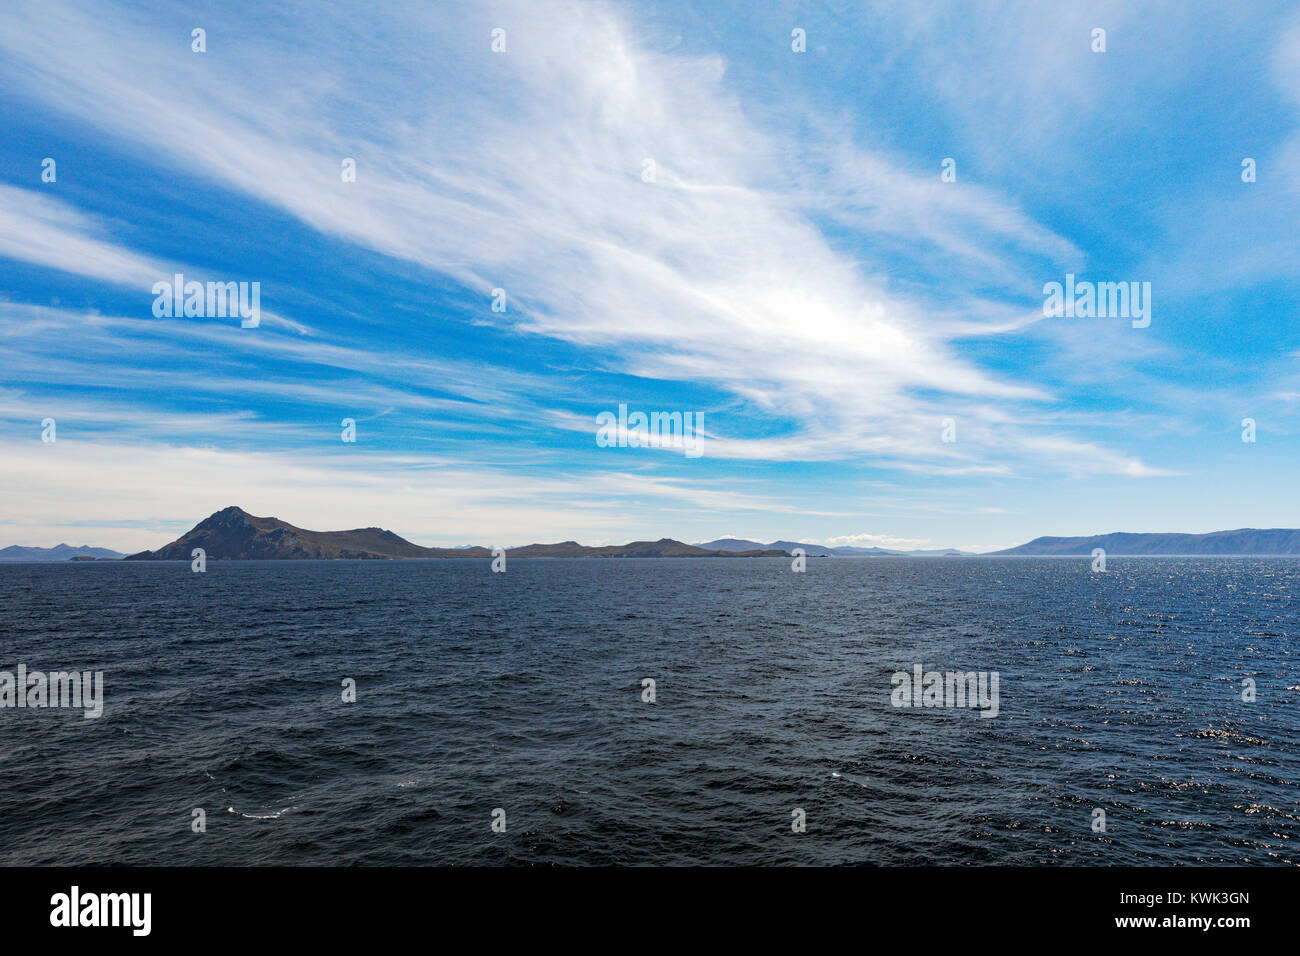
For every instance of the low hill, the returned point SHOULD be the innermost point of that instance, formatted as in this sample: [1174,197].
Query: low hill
[1243,541]
[663,548]
[60,552]
[821,551]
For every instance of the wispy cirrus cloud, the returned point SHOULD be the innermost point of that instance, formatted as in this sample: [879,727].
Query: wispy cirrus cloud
[45,231]
[716,272]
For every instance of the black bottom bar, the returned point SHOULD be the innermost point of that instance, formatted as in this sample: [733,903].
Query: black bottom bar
[956,905]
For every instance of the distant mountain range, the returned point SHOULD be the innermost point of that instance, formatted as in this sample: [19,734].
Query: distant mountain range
[1243,541]
[663,548]
[233,534]
[817,550]
[60,552]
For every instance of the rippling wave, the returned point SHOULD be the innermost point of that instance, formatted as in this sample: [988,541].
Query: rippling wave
[477,691]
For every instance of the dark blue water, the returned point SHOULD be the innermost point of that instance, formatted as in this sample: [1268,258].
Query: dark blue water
[522,691]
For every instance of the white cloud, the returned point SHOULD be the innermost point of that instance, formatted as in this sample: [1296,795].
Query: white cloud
[889,542]
[45,231]
[523,170]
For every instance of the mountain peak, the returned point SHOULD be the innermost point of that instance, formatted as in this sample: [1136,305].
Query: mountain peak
[233,534]
[231,515]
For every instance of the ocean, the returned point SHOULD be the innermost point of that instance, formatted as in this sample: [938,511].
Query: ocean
[484,697]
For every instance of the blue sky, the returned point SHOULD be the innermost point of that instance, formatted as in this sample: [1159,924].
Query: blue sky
[797,271]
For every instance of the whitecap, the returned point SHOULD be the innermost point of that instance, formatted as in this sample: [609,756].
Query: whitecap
[262,816]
